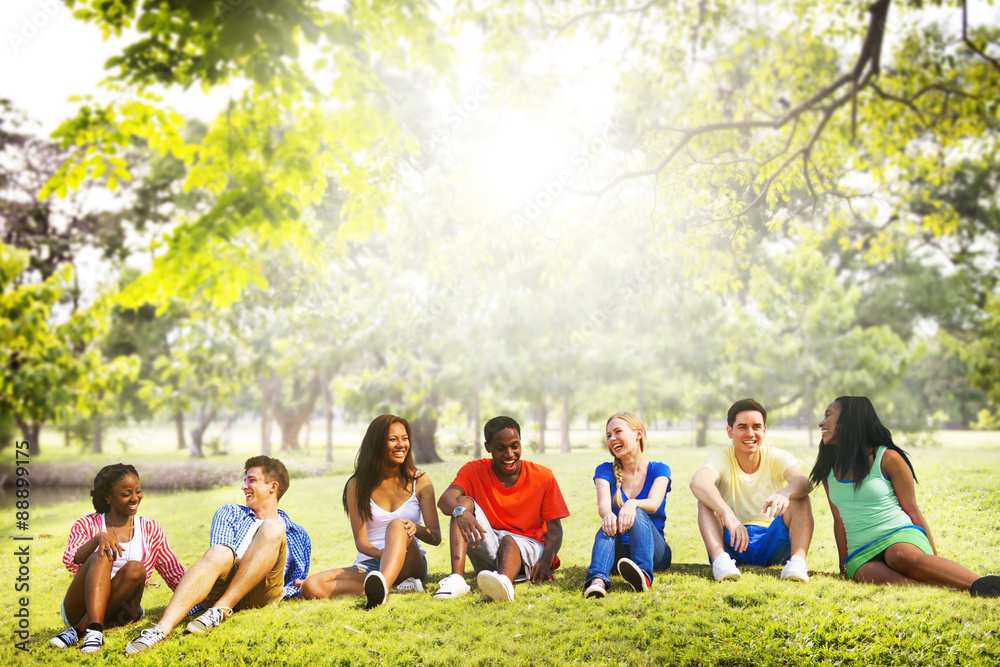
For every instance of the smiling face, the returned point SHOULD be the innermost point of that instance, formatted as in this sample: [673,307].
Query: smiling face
[397,444]
[505,448]
[748,431]
[622,439]
[125,496]
[256,489]
[828,427]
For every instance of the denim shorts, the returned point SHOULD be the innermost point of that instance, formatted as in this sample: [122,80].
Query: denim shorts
[372,564]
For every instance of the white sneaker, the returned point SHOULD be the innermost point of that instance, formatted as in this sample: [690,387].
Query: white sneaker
[724,568]
[795,570]
[410,585]
[452,586]
[496,586]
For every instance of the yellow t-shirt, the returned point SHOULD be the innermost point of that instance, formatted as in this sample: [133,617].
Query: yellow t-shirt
[744,493]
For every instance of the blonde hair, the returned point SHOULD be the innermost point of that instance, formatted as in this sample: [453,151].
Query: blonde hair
[635,424]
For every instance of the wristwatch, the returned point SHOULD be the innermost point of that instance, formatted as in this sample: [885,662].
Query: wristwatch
[458,511]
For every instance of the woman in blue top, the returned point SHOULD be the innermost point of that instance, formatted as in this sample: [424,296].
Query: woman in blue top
[631,497]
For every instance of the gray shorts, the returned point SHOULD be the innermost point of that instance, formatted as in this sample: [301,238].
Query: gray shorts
[485,557]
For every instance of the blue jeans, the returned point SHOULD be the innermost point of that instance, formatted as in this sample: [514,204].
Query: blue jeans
[646,548]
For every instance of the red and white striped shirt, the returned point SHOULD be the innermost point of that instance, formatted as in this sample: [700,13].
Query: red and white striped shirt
[156,551]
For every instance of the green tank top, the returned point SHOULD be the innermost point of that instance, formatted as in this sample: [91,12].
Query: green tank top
[872,511]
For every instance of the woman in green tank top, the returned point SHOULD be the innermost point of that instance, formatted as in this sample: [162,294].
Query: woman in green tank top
[882,537]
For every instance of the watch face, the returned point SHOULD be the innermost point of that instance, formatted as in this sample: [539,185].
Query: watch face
[458,511]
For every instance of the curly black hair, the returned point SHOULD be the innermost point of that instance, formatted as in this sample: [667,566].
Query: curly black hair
[105,479]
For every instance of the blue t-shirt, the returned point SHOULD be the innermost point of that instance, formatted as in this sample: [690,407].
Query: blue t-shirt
[654,469]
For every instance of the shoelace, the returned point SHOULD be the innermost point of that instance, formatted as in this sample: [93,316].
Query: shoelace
[153,633]
[93,638]
[219,614]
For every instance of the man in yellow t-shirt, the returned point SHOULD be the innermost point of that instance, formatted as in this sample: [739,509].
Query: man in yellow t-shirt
[742,489]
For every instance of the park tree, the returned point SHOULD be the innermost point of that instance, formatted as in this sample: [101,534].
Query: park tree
[50,366]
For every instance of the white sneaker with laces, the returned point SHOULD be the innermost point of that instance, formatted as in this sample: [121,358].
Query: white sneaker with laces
[146,639]
[213,617]
[452,586]
[795,570]
[724,568]
[410,585]
[496,586]
[93,640]
[65,639]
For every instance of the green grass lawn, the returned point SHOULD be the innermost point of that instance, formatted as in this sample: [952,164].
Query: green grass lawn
[686,619]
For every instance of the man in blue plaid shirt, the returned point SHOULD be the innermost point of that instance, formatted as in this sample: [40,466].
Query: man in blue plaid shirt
[256,556]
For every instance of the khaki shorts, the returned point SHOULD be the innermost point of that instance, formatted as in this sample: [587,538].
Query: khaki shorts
[265,593]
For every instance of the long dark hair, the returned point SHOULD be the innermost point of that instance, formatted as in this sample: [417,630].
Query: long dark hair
[105,479]
[857,434]
[371,465]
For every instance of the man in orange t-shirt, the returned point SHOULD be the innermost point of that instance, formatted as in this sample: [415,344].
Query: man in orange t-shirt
[505,515]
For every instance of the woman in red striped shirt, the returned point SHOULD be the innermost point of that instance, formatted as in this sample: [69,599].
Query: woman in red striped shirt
[113,554]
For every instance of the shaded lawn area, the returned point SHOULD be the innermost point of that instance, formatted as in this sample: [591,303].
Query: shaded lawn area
[687,618]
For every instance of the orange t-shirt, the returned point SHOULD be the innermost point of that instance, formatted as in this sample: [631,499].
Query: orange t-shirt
[523,508]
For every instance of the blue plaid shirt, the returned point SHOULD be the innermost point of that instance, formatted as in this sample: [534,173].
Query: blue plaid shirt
[231,523]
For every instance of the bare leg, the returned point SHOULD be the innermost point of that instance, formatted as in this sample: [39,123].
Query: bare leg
[97,588]
[126,593]
[912,562]
[256,562]
[90,600]
[401,557]
[196,584]
[710,526]
[798,519]
[458,548]
[75,602]
[413,565]
[877,572]
[334,583]
[509,557]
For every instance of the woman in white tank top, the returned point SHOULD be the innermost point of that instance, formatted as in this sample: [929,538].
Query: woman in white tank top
[385,498]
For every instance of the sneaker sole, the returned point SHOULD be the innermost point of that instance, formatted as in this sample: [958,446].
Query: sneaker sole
[796,578]
[595,593]
[375,592]
[494,589]
[986,587]
[198,629]
[84,649]
[730,577]
[632,575]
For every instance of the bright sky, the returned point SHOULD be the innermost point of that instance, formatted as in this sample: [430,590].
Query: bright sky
[46,55]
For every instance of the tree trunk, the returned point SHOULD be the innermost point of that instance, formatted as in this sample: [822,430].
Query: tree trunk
[179,425]
[424,448]
[702,430]
[198,432]
[30,432]
[266,383]
[564,442]
[642,400]
[477,447]
[98,435]
[179,419]
[293,416]
[328,413]
[542,419]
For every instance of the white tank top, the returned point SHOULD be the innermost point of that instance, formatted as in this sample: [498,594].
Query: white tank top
[409,510]
[133,548]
